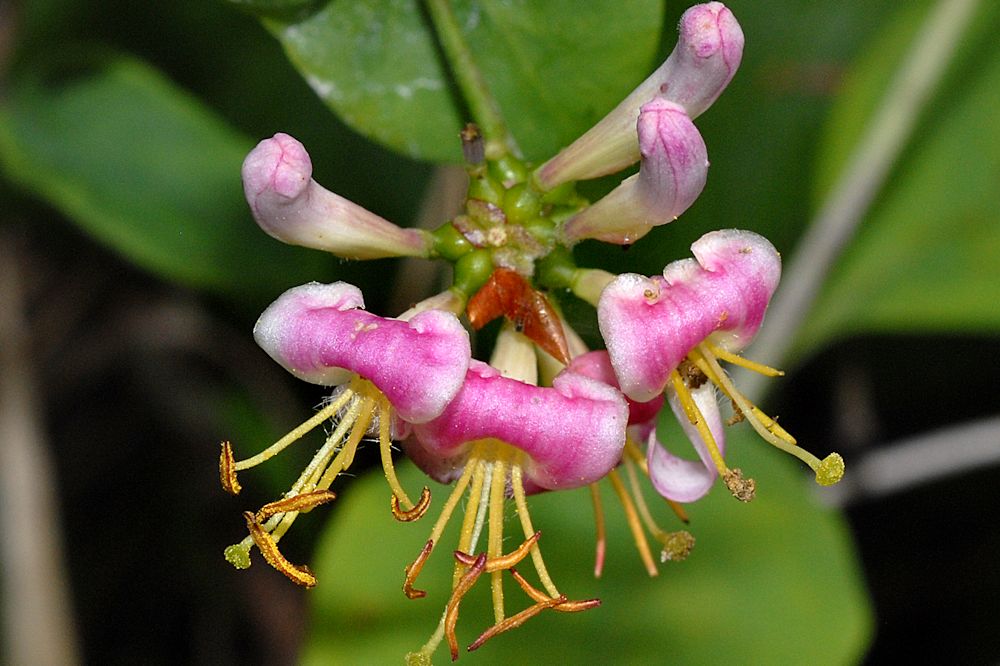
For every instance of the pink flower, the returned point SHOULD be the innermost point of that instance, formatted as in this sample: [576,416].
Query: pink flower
[292,207]
[651,324]
[387,372]
[668,334]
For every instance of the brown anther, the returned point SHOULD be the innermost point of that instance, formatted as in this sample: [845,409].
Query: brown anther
[227,470]
[464,584]
[691,374]
[742,489]
[418,510]
[507,293]
[298,503]
[300,575]
[564,606]
[676,546]
[515,621]
[503,561]
[413,570]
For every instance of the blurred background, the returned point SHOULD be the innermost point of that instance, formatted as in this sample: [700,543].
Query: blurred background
[131,274]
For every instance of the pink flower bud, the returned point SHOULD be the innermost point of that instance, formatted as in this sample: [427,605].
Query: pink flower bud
[321,334]
[650,324]
[671,176]
[707,55]
[292,207]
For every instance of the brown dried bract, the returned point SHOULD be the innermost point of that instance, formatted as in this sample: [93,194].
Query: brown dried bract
[300,575]
[418,510]
[227,470]
[507,293]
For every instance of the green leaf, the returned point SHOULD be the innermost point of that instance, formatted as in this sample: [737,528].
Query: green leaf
[925,256]
[554,69]
[773,581]
[148,171]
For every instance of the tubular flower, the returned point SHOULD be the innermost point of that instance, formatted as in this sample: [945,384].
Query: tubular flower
[708,53]
[388,373]
[292,207]
[671,175]
[504,437]
[668,334]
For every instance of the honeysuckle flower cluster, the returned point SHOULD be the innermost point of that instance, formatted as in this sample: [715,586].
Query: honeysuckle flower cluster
[545,413]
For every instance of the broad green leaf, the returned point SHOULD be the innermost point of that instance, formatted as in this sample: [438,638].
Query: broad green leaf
[925,256]
[148,171]
[773,581]
[554,68]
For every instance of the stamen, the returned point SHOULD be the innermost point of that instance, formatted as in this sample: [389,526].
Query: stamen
[601,534]
[743,489]
[632,518]
[413,570]
[418,510]
[514,621]
[696,418]
[464,584]
[227,470]
[522,512]
[502,562]
[676,545]
[350,448]
[828,471]
[736,359]
[298,574]
[495,539]
[565,607]
[296,434]
[297,503]
[465,540]
[385,442]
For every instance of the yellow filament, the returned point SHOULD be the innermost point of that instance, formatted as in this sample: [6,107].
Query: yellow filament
[632,518]
[385,441]
[516,483]
[495,540]
[471,511]
[452,502]
[697,419]
[601,535]
[296,434]
[707,363]
[346,455]
[736,359]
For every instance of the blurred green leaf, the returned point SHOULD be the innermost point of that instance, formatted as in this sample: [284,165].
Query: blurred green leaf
[773,581]
[554,69]
[925,257]
[150,172]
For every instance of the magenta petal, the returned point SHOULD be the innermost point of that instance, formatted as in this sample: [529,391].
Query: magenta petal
[319,333]
[292,207]
[573,431]
[597,365]
[650,324]
[679,479]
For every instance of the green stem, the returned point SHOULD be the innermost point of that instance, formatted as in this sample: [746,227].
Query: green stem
[484,108]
